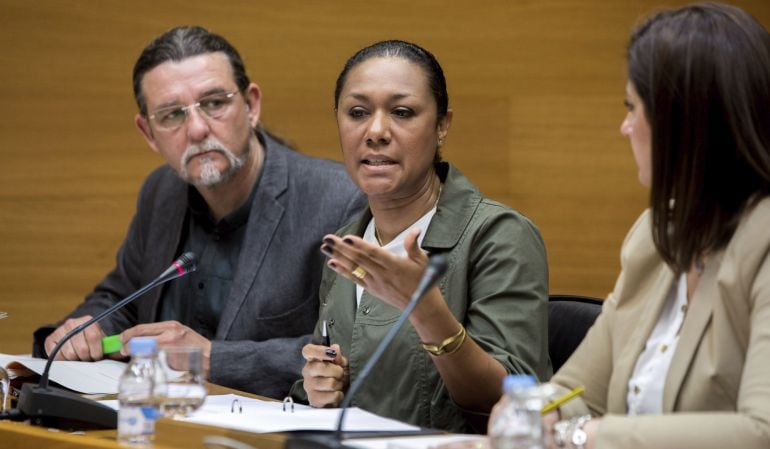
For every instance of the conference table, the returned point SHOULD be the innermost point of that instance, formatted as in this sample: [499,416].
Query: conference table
[170,434]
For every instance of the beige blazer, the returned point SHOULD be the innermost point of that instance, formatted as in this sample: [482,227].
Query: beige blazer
[717,391]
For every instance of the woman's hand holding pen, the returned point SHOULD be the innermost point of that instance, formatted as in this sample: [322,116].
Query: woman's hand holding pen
[326,375]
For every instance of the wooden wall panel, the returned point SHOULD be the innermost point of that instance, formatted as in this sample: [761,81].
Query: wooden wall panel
[537,89]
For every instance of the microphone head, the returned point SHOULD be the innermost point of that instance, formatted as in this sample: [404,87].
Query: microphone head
[438,264]
[187,262]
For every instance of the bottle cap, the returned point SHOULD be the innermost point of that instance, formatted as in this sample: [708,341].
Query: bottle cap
[142,346]
[111,344]
[513,382]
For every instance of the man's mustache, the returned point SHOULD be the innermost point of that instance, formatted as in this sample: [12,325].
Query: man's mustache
[195,150]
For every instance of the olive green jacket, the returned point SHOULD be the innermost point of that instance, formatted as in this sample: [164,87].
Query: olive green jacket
[496,285]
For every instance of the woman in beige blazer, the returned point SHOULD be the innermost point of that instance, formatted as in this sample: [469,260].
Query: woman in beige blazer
[680,356]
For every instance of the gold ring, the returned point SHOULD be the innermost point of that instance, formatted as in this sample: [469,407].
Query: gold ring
[359,273]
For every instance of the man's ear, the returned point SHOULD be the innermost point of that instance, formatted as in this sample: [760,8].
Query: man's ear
[144,128]
[253,98]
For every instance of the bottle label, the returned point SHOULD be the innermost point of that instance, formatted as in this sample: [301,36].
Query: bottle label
[136,420]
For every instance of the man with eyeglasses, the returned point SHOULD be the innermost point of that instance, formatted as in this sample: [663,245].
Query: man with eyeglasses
[253,211]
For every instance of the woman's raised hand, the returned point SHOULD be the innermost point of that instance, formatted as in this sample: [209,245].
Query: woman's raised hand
[387,276]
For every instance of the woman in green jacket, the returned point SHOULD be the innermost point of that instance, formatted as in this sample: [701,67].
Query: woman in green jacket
[487,317]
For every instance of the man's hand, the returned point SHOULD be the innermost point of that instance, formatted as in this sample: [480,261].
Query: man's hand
[86,345]
[170,333]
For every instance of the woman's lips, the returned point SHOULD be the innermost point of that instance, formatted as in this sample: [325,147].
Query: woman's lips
[378,162]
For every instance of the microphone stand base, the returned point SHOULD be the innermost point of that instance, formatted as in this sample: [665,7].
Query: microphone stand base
[61,409]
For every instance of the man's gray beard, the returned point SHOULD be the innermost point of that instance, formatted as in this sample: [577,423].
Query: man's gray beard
[210,176]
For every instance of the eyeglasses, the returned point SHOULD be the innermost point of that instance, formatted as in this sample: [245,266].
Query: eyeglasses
[214,106]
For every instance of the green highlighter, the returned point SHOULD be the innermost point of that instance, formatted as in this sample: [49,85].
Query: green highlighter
[111,344]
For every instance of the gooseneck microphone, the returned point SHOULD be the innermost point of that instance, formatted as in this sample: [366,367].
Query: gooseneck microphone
[185,264]
[436,268]
[54,407]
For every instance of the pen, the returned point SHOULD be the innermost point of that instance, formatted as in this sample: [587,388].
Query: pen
[553,405]
[325,340]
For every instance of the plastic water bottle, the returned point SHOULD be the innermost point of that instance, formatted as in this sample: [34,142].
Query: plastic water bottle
[518,424]
[140,392]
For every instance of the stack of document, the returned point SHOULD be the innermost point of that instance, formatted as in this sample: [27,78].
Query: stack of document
[235,411]
[84,377]
[253,415]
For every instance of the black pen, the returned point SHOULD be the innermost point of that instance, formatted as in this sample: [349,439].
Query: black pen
[325,340]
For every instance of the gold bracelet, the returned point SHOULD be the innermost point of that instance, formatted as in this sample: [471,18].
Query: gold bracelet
[441,349]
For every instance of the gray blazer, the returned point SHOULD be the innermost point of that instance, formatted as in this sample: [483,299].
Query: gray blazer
[273,302]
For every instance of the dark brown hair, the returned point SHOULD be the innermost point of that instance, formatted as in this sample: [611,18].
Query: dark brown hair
[412,53]
[703,74]
[180,43]
[406,50]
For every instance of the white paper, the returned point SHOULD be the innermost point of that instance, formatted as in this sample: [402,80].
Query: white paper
[268,416]
[413,442]
[84,377]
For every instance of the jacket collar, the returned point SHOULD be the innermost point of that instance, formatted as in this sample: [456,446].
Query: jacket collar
[653,292]
[693,329]
[696,322]
[459,200]
[172,222]
[749,241]
[267,209]
[456,206]
[264,217]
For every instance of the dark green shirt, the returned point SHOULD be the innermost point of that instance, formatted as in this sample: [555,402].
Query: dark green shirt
[197,300]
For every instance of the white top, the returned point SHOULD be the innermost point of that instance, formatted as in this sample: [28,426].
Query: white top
[645,387]
[396,246]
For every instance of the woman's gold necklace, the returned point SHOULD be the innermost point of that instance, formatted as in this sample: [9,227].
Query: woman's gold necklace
[377,232]
[377,236]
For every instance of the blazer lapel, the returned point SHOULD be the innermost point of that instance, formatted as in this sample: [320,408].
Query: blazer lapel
[266,212]
[693,328]
[655,296]
[163,248]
